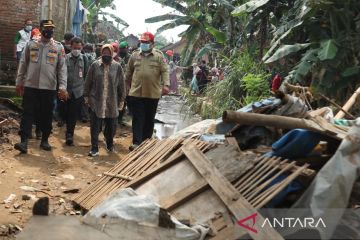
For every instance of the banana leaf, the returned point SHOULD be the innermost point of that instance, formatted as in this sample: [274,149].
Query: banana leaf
[328,50]
[220,36]
[286,50]
[161,18]
[249,7]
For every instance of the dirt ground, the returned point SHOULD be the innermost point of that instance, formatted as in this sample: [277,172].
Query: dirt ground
[52,172]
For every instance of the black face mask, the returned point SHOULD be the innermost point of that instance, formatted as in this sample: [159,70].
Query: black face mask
[106,59]
[47,33]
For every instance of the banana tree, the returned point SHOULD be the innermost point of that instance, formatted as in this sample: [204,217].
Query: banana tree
[203,20]
[96,7]
[323,36]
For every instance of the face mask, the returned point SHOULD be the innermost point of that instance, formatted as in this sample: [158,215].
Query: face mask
[47,33]
[75,53]
[106,59]
[145,47]
[28,28]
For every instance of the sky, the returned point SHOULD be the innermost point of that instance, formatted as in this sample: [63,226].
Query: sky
[134,12]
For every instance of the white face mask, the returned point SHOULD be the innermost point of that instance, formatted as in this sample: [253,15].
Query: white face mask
[75,53]
[28,28]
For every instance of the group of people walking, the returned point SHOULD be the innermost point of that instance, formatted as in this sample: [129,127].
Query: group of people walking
[68,75]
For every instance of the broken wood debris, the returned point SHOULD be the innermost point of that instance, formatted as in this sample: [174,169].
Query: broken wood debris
[249,179]
[145,158]
[235,202]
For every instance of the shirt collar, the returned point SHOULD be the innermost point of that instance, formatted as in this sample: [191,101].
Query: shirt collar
[147,54]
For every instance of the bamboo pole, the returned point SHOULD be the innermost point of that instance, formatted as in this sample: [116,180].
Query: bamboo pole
[349,115]
[270,121]
[348,104]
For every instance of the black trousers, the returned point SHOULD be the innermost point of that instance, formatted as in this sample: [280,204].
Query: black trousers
[38,104]
[143,111]
[96,127]
[84,112]
[72,108]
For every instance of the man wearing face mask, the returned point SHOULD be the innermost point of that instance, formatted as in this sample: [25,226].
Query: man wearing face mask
[105,93]
[22,38]
[147,77]
[124,53]
[42,68]
[124,59]
[67,42]
[76,73]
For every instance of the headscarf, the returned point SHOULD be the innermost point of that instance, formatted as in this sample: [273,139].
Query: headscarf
[109,47]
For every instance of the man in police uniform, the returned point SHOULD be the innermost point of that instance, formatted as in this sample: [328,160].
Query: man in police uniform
[42,67]
[147,76]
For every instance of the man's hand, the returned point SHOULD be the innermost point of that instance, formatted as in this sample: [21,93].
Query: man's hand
[165,90]
[20,90]
[63,94]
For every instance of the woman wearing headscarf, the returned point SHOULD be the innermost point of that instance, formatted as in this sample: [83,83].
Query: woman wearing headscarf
[105,93]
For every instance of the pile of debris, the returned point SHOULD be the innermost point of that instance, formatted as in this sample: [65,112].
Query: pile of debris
[9,119]
[219,179]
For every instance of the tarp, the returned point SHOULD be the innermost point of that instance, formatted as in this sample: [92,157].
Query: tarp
[126,204]
[332,187]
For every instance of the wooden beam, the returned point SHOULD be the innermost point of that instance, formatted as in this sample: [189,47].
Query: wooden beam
[236,203]
[233,141]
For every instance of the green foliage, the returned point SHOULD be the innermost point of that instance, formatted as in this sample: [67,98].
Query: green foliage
[208,21]
[320,37]
[232,93]
[256,87]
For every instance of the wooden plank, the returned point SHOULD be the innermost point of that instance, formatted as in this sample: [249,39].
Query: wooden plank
[237,205]
[232,141]
[184,195]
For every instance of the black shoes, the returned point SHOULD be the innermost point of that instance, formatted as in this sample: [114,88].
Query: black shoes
[44,145]
[22,147]
[94,152]
[38,134]
[69,140]
[110,148]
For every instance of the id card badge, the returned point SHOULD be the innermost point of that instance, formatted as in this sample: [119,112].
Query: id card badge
[80,73]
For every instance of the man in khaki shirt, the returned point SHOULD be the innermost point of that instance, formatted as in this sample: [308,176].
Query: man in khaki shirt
[147,77]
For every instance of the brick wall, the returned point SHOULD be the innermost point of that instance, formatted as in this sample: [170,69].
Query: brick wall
[12,16]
